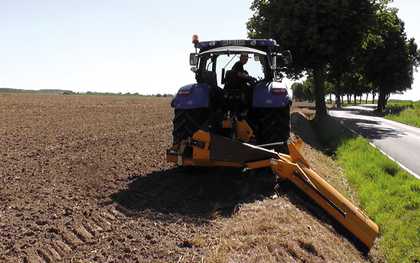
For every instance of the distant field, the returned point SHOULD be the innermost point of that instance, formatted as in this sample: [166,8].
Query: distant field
[70,92]
[407,112]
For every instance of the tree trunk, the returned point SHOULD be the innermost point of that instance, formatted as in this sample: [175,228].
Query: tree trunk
[367,96]
[355,99]
[386,99]
[381,101]
[360,99]
[320,106]
[330,98]
[337,93]
[337,100]
[373,97]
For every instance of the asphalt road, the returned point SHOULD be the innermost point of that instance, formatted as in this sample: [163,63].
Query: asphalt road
[399,141]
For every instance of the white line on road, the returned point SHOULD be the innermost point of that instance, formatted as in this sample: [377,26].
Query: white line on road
[384,153]
[397,162]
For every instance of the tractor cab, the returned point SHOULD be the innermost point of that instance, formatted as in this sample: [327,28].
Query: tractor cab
[213,63]
[228,95]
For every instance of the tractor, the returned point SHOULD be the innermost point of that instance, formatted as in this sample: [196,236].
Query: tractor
[251,110]
[234,120]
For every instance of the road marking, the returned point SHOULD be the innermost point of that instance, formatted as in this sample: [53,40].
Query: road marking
[397,162]
[384,153]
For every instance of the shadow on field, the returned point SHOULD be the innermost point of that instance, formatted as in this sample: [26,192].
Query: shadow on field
[322,134]
[198,192]
[204,193]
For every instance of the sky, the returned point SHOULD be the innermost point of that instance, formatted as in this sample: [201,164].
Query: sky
[125,45]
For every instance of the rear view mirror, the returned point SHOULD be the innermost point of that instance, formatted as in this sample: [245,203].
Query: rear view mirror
[274,62]
[193,59]
[281,60]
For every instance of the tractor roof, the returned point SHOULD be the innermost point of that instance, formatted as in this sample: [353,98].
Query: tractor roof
[260,44]
[234,50]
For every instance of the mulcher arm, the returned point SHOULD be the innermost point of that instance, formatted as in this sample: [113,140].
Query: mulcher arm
[297,170]
[215,150]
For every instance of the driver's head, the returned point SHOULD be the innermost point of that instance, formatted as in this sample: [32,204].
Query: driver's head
[243,58]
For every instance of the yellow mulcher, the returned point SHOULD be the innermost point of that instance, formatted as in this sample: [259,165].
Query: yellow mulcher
[216,127]
[213,150]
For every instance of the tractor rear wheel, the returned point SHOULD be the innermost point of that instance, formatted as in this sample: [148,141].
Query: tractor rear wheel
[187,121]
[272,125]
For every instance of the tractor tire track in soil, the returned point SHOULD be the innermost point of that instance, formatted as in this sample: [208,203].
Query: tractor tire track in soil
[84,178]
[65,164]
[70,237]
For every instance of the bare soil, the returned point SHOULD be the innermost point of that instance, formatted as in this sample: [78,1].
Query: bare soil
[84,178]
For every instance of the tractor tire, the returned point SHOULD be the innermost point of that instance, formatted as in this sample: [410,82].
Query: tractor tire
[187,122]
[272,125]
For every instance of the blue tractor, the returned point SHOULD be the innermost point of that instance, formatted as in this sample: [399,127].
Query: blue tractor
[229,102]
[232,120]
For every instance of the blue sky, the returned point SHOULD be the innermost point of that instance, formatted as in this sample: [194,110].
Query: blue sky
[121,46]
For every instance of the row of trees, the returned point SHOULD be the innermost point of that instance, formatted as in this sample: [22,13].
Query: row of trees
[351,91]
[347,46]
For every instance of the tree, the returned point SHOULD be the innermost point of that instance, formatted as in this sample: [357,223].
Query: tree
[316,32]
[329,89]
[389,58]
[298,91]
[335,76]
[303,91]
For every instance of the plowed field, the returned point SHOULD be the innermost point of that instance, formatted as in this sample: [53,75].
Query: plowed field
[84,178]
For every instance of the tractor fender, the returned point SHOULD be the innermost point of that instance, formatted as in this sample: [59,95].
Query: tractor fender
[192,96]
[269,94]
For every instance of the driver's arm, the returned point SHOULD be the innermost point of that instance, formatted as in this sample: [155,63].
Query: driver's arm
[240,72]
[243,74]
[246,76]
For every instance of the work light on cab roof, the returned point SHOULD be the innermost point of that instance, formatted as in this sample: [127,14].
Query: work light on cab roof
[195,39]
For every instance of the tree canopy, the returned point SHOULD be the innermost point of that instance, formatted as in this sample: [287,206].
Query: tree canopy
[316,32]
[388,57]
[359,46]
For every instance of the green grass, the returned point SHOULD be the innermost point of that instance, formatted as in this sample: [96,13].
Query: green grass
[407,112]
[388,194]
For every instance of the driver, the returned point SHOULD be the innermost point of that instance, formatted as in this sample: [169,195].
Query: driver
[238,68]
[242,80]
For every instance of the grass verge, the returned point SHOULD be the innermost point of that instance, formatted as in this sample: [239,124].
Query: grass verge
[389,195]
[407,112]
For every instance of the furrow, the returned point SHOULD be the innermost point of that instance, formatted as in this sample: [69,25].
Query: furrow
[80,231]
